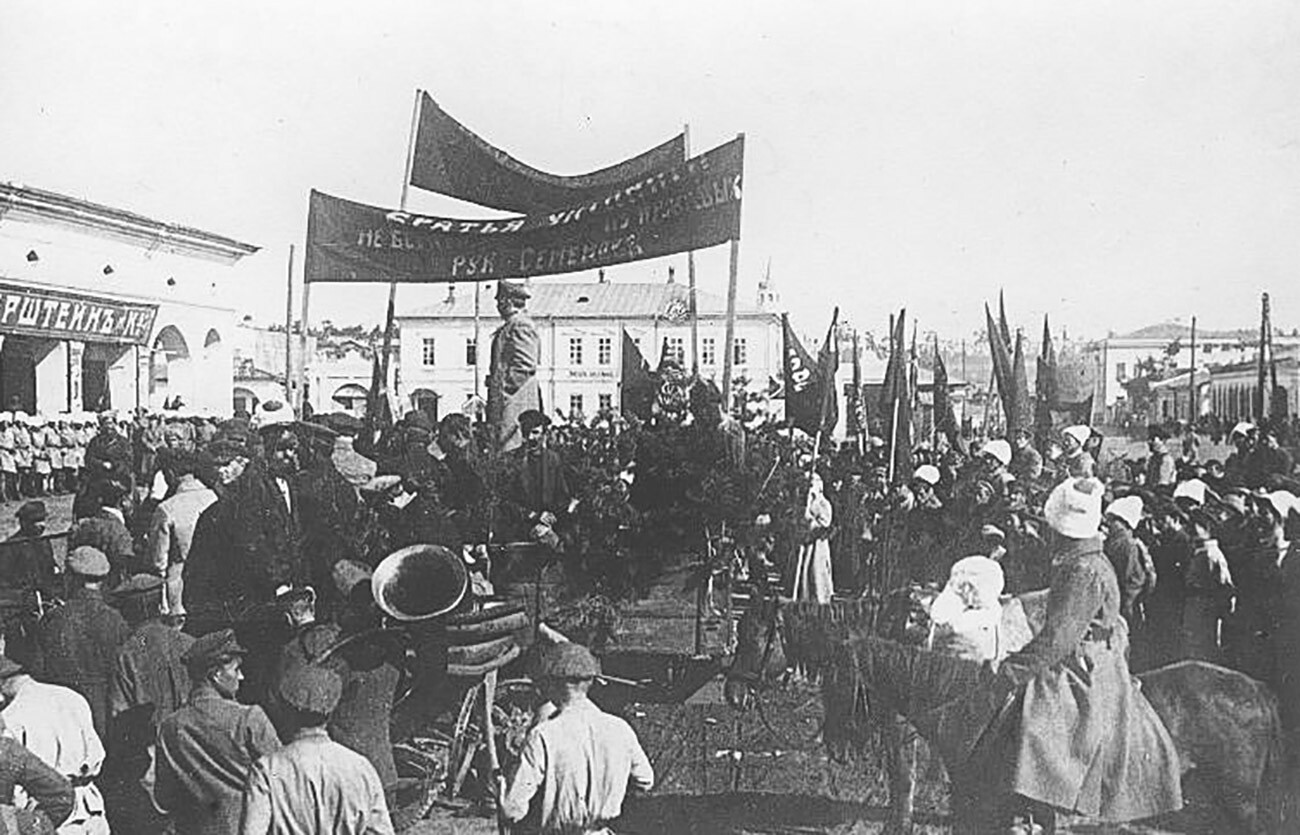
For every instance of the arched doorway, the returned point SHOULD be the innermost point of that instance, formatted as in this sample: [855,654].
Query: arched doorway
[169,368]
[352,398]
[425,400]
[245,400]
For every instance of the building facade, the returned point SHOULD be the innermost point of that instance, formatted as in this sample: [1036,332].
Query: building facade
[1119,357]
[104,308]
[445,349]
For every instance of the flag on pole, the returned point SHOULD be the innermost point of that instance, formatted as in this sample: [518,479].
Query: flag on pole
[945,421]
[802,403]
[638,389]
[828,361]
[1002,373]
[1046,387]
[856,418]
[896,404]
[1020,416]
[379,413]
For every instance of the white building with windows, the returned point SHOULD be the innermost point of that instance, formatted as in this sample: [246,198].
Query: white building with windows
[1120,356]
[101,307]
[441,365]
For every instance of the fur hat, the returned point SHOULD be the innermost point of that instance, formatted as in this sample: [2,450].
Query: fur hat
[1074,508]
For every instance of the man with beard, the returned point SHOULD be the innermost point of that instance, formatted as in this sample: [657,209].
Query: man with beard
[248,543]
[537,493]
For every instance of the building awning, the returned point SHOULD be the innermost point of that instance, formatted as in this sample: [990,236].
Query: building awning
[58,314]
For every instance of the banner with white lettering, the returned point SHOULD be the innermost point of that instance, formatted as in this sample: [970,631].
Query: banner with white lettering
[60,315]
[693,205]
[451,159]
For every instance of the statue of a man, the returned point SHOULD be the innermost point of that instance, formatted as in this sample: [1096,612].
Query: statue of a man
[512,379]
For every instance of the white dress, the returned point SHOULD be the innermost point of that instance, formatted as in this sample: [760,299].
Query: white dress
[812,578]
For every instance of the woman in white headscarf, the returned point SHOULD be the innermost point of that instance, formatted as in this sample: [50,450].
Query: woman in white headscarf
[812,577]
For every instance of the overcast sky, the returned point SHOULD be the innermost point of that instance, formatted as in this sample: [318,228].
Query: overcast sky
[1112,163]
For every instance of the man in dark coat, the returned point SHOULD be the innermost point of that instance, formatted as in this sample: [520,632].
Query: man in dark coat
[149,682]
[512,381]
[249,543]
[536,496]
[27,560]
[106,529]
[205,749]
[79,640]
[109,454]
[1128,556]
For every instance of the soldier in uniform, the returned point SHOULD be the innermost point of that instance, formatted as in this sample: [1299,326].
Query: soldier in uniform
[8,463]
[512,380]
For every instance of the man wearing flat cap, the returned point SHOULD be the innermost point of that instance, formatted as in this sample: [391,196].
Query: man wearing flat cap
[149,682]
[512,378]
[580,759]
[313,784]
[206,748]
[80,639]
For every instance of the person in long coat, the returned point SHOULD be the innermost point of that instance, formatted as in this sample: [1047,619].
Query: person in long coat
[812,577]
[512,379]
[1084,738]
[79,640]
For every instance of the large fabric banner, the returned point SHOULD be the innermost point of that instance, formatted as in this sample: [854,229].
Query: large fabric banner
[56,314]
[691,206]
[451,159]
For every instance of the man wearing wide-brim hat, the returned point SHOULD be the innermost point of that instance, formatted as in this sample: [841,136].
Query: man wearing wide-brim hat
[512,378]
[206,748]
[80,639]
[1114,760]
[580,759]
[313,784]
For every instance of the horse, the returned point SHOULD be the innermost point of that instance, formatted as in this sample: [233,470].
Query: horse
[1224,724]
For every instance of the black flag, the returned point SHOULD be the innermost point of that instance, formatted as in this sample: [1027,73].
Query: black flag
[637,394]
[802,403]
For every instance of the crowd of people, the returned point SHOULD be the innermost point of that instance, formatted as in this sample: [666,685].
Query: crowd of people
[179,661]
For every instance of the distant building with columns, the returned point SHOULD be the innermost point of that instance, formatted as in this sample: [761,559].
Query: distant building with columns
[101,308]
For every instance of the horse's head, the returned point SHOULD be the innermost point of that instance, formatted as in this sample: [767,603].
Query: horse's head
[760,654]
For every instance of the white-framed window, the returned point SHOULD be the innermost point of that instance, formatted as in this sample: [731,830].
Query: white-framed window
[604,350]
[428,351]
[575,406]
[606,402]
[708,351]
[471,351]
[739,351]
[575,350]
[674,348]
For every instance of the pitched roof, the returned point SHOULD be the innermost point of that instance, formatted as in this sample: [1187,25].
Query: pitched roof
[1176,330]
[590,300]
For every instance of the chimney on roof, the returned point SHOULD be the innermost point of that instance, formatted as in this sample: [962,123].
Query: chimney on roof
[600,276]
[672,275]
[451,294]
